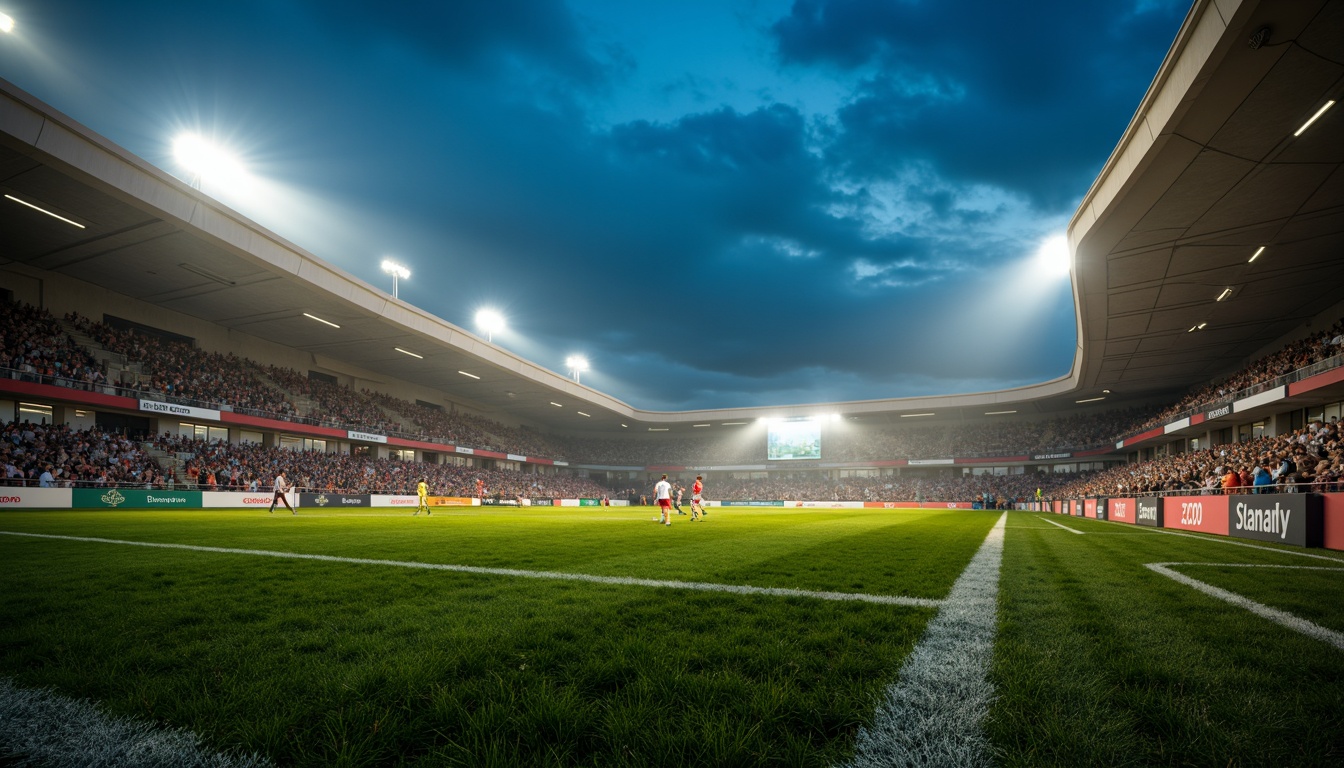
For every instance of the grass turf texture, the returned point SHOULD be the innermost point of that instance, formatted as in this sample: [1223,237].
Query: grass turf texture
[342,664]
[1101,661]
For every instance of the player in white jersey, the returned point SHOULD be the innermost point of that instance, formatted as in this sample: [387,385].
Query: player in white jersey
[282,486]
[662,490]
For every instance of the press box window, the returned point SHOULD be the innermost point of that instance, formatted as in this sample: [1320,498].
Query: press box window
[32,412]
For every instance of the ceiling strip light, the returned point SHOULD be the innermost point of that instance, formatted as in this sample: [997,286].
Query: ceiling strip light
[581,413]
[1226,292]
[1090,400]
[1319,112]
[998,413]
[732,423]
[49,213]
[913,415]
[1256,255]
[701,425]
[557,405]
[320,320]
[412,354]
[470,375]
[657,429]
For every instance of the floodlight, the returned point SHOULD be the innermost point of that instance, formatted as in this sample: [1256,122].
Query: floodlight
[6,23]
[490,321]
[1053,258]
[396,271]
[577,364]
[207,160]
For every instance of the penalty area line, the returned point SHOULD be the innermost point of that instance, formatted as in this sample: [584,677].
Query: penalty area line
[625,581]
[1065,527]
[1295,623]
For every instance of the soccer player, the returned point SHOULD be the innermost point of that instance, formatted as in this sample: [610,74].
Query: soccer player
[422,490]
[663,491]
[697,500]
[677,501]
[281,487]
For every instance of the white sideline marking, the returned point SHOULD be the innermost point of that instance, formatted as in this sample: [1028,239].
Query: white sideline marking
[1231,542]
[933,714]
[739,589]
[42,727]
[1065,527]
[1288,620]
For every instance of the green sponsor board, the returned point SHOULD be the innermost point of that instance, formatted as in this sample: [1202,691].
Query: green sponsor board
[590,502]
[130,498]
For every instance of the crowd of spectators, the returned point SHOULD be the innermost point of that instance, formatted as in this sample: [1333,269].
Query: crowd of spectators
[1308,459]
[1264,371]
[179,371]
[35,348]
[1002,489]
[223,466]
[57,456]
[333,404]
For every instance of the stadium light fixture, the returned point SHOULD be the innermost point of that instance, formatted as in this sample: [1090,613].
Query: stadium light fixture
[657,429]
[557,405]
[701,425]
[489,321]
[408,352]
[207,160]
[577,364]
[1053,259]
[40,209]
[397,271]
[733,424]
[1313,118]
[6,23]
[1256,255]
[1089,400]
[320,320]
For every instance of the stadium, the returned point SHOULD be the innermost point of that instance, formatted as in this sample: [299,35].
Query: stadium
[1137,563]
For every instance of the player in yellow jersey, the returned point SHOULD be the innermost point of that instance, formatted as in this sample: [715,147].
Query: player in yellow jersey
[422,490]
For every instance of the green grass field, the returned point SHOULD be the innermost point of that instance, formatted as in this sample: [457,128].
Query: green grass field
[1098,660]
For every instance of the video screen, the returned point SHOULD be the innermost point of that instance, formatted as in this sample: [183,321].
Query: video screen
[787,440]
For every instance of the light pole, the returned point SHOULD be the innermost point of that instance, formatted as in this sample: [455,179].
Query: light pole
[396,271]
[490,321]
[578,364]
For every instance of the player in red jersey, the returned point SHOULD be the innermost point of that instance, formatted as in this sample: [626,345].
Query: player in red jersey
[697,500]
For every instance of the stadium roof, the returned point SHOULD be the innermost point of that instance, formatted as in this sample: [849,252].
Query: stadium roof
[1207,172]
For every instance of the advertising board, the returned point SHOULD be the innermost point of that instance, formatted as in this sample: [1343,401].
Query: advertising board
[1148,511]
[397,500]
[34,498]
[1121,510]
[1333,523]
[333,500]
[1207,514]
[237,499]
[1285,518]
[130,498]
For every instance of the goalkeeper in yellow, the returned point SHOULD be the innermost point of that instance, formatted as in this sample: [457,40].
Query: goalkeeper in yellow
[422,490]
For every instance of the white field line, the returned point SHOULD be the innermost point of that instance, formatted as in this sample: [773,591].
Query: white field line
[1065,527]
[739,589]
[42,727]
[1284,618]
[933,714]
[1232,542]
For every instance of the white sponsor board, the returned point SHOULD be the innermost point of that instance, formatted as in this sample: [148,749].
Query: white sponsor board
[35,498]
[825,504]
[1176,425]
[367,437]
[394,501]
[173,409]
[516,457]
[236,499]
[465,451]
[930,462]
[1254,401]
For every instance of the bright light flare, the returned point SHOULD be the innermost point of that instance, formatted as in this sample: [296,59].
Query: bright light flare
[489,321]
[395,269]
[209,162]
[1053,260]
[576,362]
[6,23]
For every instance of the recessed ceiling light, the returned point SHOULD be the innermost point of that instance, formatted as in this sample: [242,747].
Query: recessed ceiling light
[44,210]
[1226,292]
[1319,112]
[412,354]
[625,426]
[732,423]
[320,320]
[469,375]
[1257,253]
[700,425]
[657,429]
[557,405]
[581,413]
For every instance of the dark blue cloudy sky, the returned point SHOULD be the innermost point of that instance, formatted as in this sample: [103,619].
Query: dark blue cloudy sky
[719,202]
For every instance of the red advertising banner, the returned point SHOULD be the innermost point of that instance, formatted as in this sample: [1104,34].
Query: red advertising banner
[1334,520]
[1207,514]
[1090,508]
[1120,510]
[1056,506]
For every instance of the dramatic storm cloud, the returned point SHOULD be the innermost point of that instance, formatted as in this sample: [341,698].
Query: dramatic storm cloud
[718,203]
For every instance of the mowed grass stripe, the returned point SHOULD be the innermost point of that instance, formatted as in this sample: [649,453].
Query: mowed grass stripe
[740,589]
